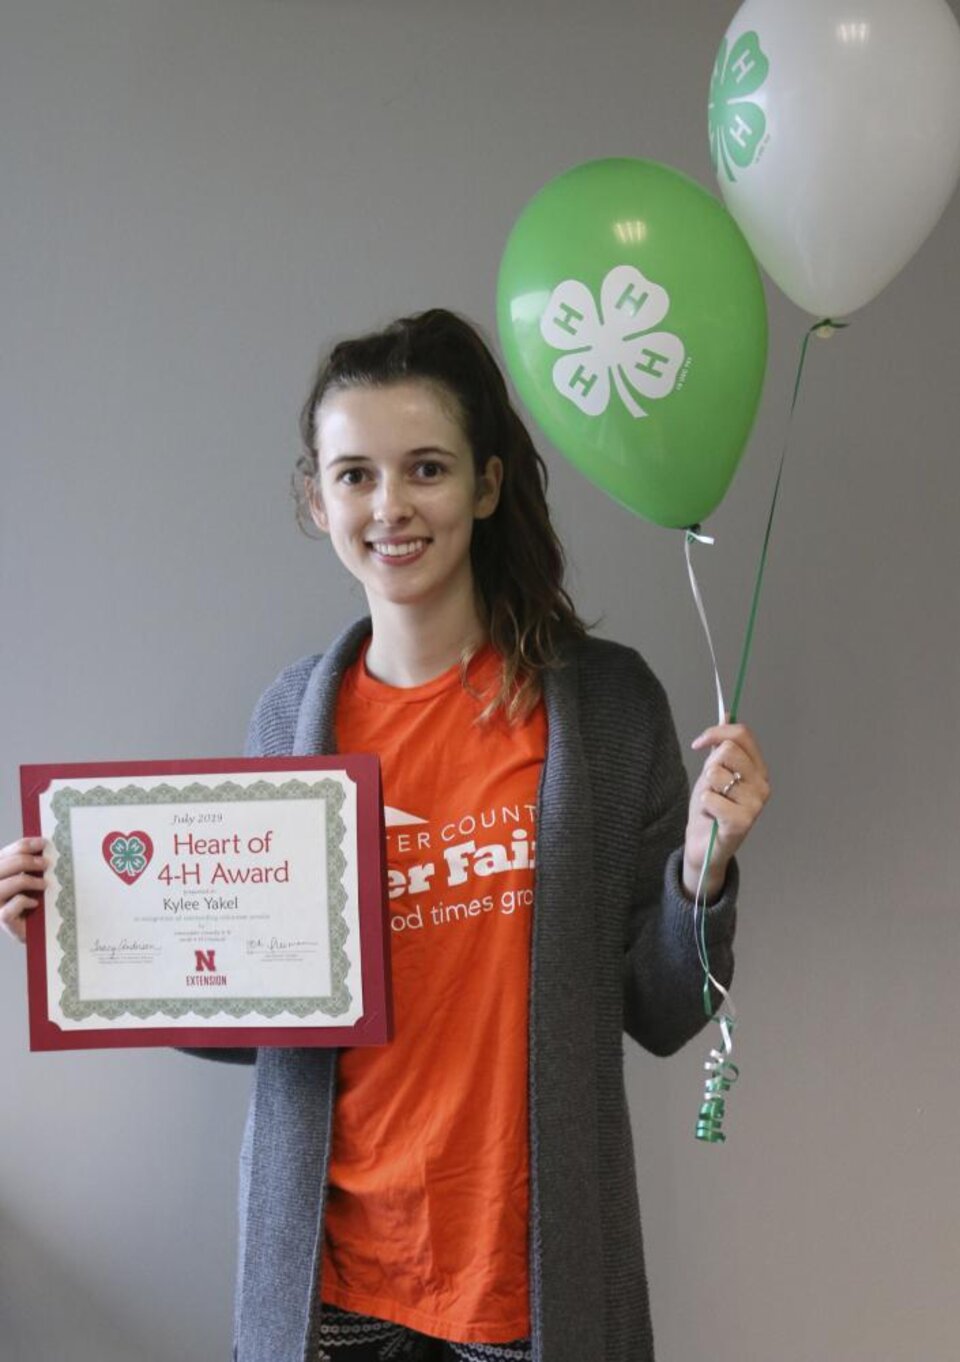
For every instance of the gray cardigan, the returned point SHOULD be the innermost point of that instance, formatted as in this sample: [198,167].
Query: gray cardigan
[612,950]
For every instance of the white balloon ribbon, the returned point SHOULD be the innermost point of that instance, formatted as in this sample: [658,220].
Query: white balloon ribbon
[694,534]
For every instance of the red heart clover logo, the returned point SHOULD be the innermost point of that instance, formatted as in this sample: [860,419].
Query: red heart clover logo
[127,854]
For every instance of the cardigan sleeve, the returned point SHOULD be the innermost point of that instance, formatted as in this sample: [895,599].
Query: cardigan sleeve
[662,974]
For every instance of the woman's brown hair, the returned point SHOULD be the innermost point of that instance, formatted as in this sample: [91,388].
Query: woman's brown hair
[517,559]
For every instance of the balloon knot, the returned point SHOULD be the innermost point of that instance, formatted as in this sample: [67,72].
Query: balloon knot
[828,326]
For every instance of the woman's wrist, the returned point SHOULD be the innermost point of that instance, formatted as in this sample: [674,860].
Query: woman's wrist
[713,884]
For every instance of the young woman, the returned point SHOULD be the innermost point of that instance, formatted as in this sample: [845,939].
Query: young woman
[468,1191]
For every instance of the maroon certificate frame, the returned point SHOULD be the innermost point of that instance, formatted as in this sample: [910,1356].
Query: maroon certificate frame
[68,803]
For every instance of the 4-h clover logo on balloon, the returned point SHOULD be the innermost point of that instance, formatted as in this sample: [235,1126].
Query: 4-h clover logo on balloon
[737,125]
[617,343]
[127,854]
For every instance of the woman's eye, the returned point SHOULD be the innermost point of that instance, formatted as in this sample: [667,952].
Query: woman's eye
[430,469]
[352,477]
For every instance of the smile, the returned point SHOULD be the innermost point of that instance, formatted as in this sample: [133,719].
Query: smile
[411,548]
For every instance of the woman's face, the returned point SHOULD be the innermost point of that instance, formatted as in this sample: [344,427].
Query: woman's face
[397,492]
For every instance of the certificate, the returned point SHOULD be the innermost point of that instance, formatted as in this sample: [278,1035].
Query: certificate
[209,903]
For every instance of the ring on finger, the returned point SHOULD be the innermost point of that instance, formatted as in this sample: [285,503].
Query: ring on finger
[735,779]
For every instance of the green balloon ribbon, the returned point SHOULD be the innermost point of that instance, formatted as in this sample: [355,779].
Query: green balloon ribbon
[722,1073]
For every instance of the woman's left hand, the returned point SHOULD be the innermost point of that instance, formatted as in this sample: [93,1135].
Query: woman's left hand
[731,791]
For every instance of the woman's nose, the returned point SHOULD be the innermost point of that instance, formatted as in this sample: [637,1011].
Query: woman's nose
[392,503]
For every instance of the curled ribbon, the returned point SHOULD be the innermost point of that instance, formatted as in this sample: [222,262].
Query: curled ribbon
[722,1073]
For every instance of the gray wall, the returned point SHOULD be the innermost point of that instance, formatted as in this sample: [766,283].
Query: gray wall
[196,196]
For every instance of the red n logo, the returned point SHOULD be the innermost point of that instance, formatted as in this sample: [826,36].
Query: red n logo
[205,960]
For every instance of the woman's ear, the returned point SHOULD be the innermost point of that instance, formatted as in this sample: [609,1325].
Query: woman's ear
[489,482]
[318,513]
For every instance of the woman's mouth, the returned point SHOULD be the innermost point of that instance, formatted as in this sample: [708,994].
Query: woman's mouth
[396,553]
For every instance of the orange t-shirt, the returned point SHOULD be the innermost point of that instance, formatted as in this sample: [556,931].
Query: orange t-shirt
[426,1219]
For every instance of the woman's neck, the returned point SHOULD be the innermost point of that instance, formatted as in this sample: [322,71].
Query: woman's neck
[412,644]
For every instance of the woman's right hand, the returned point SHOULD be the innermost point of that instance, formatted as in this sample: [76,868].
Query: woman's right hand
[22,865]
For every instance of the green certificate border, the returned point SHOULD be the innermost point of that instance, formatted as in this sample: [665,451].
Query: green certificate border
[327,791]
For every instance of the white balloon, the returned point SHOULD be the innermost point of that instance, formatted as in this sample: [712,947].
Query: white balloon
[838,159]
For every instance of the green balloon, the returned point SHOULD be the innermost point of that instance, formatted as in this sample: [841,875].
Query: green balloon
[632,318]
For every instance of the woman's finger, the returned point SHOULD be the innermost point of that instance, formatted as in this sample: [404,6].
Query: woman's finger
[26,845]
[725,781]
[739,734]
[734,820]
[23,883]
[18,864]
[733,757]
[13,916]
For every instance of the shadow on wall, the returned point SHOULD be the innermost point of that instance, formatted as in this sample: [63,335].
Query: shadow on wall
[49,1314]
